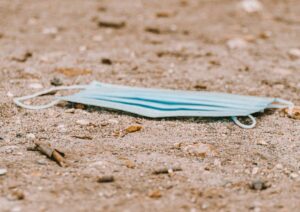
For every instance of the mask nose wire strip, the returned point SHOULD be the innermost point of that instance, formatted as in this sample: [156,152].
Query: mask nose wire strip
[240,124]
[18,101]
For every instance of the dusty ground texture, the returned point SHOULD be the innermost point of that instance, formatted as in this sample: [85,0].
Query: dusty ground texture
[177,44]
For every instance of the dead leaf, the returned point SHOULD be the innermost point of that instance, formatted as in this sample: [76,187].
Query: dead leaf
[133,128]
[72,72]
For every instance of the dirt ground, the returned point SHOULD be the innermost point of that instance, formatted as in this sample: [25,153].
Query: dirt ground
[212,45]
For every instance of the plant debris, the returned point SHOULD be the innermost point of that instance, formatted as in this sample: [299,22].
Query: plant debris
[22,57]
[46,149]
[111,24]
[294,113]
[153,30]
[133,128]
[106,179]
[106,61]
[72,72]
[166,170]
[83,137]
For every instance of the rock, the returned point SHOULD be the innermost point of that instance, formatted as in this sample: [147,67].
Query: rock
[254,170]
[259,185]
[294,53]
[251,6]
[237,43]
[3,172]
[56,82]
[30,136]
[294,175]
[106,61]
[83,122]
[279,166]
[9,94]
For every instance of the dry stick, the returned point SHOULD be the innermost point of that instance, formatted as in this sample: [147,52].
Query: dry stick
[51,153]
[166,170]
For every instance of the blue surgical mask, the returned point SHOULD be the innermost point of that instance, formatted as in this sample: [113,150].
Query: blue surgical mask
[158,103]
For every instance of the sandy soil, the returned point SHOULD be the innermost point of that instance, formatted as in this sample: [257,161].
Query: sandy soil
[178,44]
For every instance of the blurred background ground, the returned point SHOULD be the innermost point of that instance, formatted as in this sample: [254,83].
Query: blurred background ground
[212,45]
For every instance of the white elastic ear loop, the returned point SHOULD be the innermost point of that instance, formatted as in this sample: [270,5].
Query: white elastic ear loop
[240,124]
[18,100]
[286,104]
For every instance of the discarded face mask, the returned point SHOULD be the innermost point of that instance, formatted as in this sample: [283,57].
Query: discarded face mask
[159,103]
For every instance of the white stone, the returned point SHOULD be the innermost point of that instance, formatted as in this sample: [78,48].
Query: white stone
[237,43]
[251,6]
[9,94]
[30,136]
[3,171]
[279,166]
[255,170]
[294,53]
[50,30]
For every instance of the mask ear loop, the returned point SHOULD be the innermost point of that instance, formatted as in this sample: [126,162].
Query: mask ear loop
[240,124]
[18,100]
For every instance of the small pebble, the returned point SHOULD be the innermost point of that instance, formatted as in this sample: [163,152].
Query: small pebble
[237,43]
[3,172]
[251,6]
[279,166]
[259,185]
[9,94]
[294,175]
[294,53]
[30,136]
[56,82]
[71,110]
[254,170]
